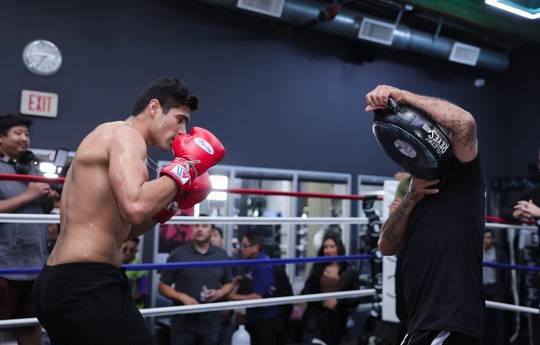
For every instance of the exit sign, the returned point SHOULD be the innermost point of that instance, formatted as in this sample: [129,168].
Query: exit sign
[39,103]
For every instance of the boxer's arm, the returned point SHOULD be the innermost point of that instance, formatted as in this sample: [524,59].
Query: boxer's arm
[459,121]
[139,229]
[137,198]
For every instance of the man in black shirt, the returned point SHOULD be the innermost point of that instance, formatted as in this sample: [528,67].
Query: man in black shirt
[437,233]
[190,286]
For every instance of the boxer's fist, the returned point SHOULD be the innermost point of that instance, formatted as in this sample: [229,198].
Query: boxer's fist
[195,192]
[179,171]
[200,148]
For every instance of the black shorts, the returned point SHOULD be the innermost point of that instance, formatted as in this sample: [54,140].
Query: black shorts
[88,304]
[438,338]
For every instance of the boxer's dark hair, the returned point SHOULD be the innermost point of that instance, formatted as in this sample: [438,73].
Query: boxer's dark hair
[170,92]
[9,121]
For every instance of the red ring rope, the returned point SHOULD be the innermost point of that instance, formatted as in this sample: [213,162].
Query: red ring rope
[34,178]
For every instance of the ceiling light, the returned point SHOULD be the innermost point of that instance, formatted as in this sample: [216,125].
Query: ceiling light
[514,8]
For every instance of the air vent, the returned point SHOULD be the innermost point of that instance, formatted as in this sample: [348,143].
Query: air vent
[465,54]
[272,8]
[376,31]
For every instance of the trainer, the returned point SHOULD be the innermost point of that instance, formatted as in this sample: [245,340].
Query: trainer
[437,232]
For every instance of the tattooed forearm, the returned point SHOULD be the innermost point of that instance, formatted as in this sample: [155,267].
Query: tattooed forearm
[393,231]
[459,121]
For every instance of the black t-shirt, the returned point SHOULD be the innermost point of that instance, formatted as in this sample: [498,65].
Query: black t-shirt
[440,263]
[191,281]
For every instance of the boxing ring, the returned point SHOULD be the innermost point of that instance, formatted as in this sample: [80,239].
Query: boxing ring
[373,293]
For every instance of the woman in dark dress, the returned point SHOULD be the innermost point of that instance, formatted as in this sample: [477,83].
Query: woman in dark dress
[327,320]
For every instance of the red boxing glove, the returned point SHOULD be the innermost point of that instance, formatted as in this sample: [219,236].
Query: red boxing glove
[179,171]
[200,148]
[166,214]
[190,195]
[195,192]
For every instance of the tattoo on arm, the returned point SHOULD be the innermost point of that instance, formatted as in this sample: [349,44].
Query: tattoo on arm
[393,230]
[457,120]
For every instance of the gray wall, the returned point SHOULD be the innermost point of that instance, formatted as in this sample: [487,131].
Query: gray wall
[295,103]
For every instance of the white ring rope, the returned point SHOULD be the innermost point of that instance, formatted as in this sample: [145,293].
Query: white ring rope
[512,307]
[55,219]
[510,226]
[202,308]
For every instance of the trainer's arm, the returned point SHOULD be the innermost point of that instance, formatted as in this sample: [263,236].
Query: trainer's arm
[459,121]
[137,198]
[393,230]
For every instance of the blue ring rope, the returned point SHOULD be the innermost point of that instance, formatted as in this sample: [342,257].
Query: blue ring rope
[213,263]
[229,263]
[512,267]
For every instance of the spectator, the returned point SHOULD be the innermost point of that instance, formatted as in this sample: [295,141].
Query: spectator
[261,323]
[138,280]
[194,286]
[495,281]
[327,320]
[21,245]
[217,237]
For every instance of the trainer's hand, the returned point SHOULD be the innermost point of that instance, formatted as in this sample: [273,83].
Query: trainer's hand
[378,97]
[419,188]
[526,209]
[392,207]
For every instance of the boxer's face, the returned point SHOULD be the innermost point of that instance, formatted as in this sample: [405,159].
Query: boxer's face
[330,248]
[170,124]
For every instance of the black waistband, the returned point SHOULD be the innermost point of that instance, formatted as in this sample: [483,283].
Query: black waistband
[82,271]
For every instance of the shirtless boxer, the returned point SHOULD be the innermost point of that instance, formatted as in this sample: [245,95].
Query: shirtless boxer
[82,295]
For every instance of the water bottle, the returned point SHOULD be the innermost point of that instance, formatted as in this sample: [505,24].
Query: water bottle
[204,294]
[241,337]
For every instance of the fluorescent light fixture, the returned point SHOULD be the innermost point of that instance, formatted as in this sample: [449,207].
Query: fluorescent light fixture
[508,7]
[50,175]
[218,182]
[47,168]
